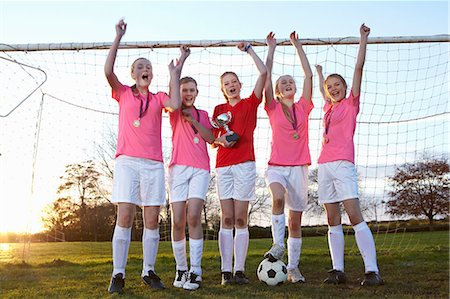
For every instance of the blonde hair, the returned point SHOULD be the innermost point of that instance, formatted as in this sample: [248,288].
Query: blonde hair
[278,95]
[221,83]
[133,65]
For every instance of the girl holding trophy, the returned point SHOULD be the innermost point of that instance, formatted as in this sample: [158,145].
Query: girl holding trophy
[235,166]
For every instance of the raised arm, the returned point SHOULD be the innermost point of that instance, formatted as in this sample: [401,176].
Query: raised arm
[259,86]
[115,84]
[174,101]
[268,88]
[357,76]
[307,83]
[321,80]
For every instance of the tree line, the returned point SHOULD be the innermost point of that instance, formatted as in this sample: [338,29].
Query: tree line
[83,212]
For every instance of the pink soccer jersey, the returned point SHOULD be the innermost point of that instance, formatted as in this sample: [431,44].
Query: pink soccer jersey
[189,148]
[289,145]
[339,128]
[143,141]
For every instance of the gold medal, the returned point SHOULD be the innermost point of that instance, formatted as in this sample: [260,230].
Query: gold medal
[295,136]
[136,123]
[196,140]
[325,139]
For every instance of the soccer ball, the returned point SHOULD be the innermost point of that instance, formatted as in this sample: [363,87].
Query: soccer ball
[272,272]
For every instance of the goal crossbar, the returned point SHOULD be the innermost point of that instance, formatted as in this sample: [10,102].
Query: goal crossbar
[219,43]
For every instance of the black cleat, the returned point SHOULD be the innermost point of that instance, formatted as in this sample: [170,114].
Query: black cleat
[117,283]
[227,278]
[240,278]
[372,279]
[153,281]
[335,277]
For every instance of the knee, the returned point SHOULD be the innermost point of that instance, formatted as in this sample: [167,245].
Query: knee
[294,223]
[278,204]
[227,221]
[334,220]
[193,221]
[240,222]
[177,225]
[125,219]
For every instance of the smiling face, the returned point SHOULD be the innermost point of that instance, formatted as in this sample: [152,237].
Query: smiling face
[230,86]
[142,72]
[285,87]
[335,87]
[188,91]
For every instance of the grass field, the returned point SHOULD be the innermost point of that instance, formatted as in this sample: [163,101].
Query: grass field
[414,265]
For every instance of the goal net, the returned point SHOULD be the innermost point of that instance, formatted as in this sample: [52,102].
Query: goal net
[56,109]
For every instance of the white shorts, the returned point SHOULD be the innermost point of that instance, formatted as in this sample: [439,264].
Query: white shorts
[338,181]
[237,181]
[139,181]
[187,182]
[294,179]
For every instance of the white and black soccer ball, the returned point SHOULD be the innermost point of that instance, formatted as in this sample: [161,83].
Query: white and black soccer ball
[272,272]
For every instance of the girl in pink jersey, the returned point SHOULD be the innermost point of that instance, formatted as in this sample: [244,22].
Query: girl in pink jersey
[287,174]
[337,173]
[139,171]
[188,183]
[235,166]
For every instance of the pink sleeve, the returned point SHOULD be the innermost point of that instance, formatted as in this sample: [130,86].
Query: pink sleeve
[306,106]
[116,94]
[354,100]
[271,107]
[205,119]
[162,97]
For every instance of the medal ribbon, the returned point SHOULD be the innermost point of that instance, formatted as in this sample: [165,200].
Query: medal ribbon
[198,120]
[137,94]
[327,119]
[294,118]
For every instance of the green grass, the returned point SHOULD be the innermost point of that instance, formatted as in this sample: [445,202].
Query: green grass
[414,265]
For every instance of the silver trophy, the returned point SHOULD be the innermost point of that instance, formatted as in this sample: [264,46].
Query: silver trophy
[222,120]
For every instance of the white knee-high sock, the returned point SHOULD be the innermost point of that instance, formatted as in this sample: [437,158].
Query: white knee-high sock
[241,240]
[120,245]
[150,243]
[195,254]
[278,229]
[226,249]
[179,252]
[366,245]
[336,245]
[294,247]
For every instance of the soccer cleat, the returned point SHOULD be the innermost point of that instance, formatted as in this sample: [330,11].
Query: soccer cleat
[276,252]
[194,282]
[294,275]
[372,279]
[240,278]
[335,277]
[117,283]
[227,278]
[153,281]
[180,278]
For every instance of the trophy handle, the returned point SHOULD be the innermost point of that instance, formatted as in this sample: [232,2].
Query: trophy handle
[213,124]
[229,115]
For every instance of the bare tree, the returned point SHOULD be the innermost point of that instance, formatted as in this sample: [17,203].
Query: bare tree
[421,189]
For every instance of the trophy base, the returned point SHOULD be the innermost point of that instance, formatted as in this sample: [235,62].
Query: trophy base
[232,137]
